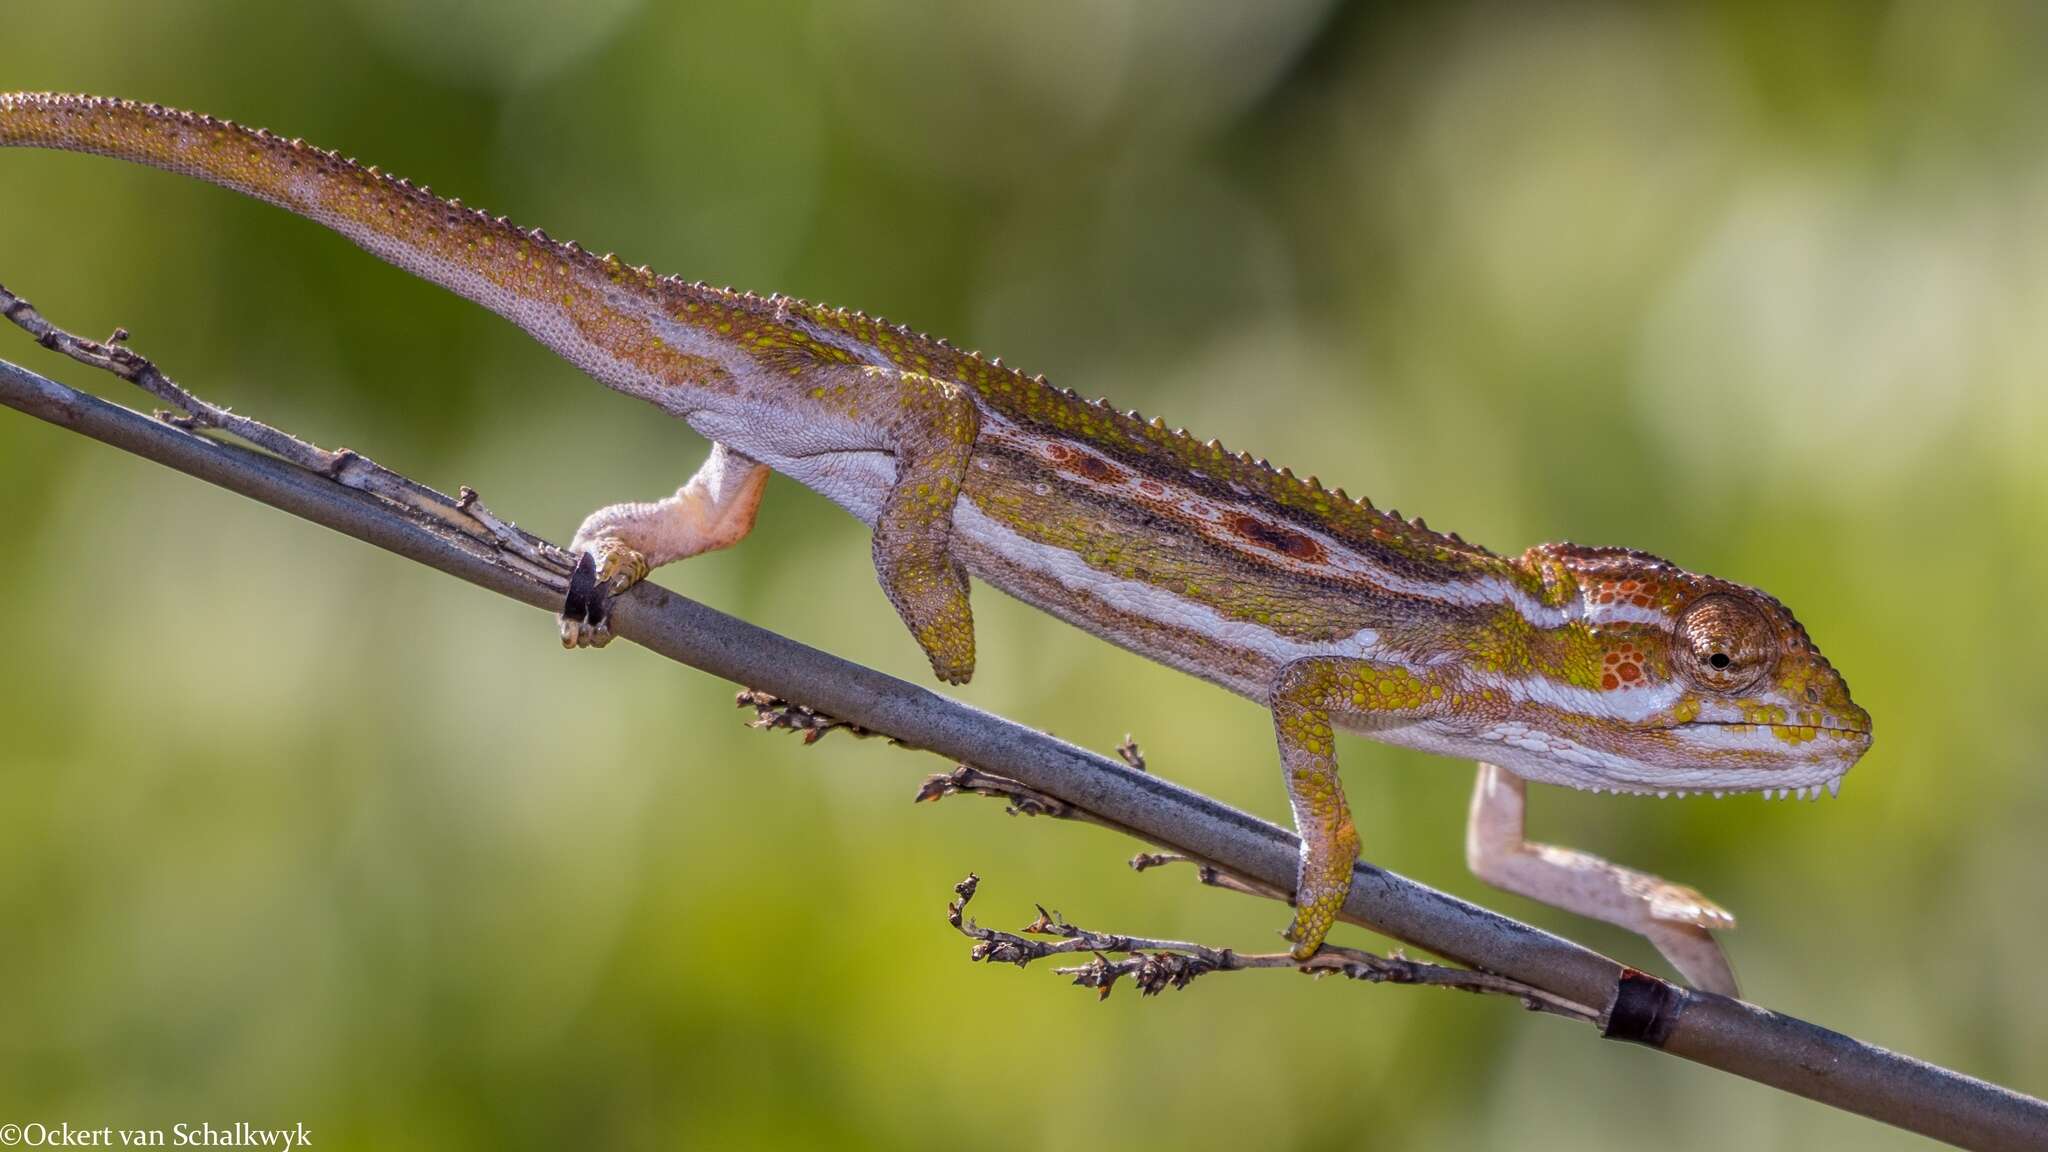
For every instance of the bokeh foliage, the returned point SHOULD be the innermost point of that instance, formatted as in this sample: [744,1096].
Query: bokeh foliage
[293,831]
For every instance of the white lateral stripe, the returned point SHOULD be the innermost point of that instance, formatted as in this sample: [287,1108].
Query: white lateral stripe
[1140,600]
[1628,704]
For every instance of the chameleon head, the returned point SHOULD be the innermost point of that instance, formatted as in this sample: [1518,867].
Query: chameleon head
[1688,683]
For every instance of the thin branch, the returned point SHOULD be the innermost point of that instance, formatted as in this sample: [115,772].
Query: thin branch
[448,534]
[1155,965]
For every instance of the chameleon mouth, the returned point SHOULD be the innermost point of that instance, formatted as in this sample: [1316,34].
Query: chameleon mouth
[1739,725]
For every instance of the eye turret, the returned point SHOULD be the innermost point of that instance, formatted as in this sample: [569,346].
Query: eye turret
[1724,645]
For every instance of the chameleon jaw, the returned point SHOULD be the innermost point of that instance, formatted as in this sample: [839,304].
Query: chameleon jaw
[1777,760]
[1665,758]
[1672,759]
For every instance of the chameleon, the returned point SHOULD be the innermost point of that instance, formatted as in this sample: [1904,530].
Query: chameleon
[1596,668]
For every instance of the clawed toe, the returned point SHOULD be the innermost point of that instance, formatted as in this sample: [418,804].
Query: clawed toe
[1307,931]
[1301,953]
[586,616]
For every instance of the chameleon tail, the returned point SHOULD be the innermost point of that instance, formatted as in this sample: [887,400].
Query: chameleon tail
[565,297]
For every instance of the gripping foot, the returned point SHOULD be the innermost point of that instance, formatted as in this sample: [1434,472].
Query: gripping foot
[600,575]
[617,546]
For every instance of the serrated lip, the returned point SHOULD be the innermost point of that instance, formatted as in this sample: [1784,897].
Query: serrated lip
[1809,791]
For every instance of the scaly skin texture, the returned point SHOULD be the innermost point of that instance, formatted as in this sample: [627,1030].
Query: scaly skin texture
[1596,668]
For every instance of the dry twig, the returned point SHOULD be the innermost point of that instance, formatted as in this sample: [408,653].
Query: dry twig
[774,714]
[966,779]
[1154,965]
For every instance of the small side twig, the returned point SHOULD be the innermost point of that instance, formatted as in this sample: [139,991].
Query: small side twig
[465,516]
[772,713]
[1211,875]
[1020,799]
[1130,753]
[966,779]
[1154,965]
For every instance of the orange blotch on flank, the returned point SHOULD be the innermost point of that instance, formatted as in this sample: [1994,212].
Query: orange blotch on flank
[1609,682]
[1629,672]
[1097,469]
[1274,537]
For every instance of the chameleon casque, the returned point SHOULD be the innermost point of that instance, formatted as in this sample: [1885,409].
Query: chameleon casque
[1596,668]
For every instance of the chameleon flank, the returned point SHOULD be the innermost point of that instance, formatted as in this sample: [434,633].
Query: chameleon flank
[1595,668]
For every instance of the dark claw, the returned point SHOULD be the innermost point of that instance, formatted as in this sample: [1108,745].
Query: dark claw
[586,601]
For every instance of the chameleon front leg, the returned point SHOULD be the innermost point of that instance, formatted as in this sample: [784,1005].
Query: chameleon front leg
[1677,920]
[617,546]
[1308,693]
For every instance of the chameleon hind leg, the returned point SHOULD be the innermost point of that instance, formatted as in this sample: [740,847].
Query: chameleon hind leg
[617,546]
[931,432]
[1309,692]
[1677,920]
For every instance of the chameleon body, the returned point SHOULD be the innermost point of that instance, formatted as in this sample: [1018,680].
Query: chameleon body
[1595,668]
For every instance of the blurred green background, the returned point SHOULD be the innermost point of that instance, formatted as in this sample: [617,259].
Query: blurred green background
[291,830]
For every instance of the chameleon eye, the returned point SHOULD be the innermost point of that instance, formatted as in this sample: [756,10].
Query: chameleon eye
[1724,645]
